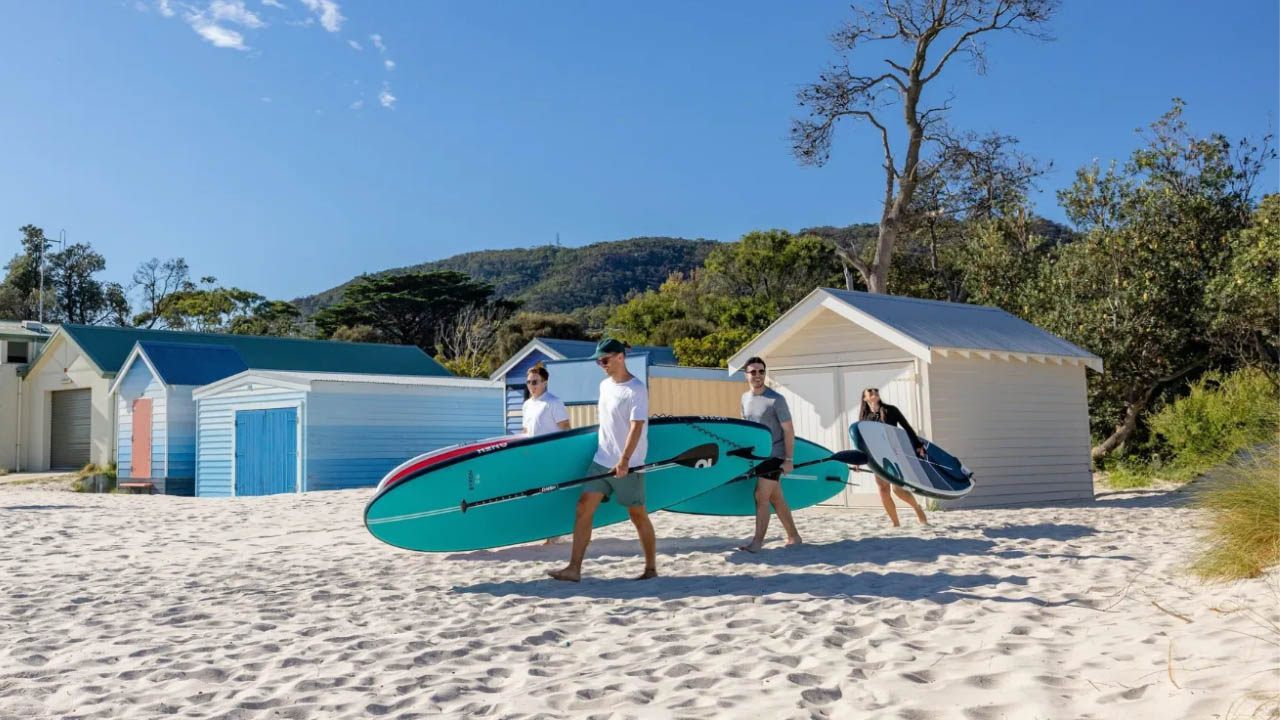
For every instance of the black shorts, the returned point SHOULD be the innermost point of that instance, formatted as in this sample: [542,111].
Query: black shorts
[774,476]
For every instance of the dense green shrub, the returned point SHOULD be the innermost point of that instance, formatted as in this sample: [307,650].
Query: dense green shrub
[1243,504]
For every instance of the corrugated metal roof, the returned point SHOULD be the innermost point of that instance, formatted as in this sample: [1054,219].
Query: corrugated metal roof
[108,347]
[960,326]
[191,364]
[18,329]
[572,349]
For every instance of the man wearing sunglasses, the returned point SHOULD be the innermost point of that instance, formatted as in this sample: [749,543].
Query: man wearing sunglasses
[622,440]
[543,412]
[764,405]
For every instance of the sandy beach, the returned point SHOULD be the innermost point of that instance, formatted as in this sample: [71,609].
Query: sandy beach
[118,606]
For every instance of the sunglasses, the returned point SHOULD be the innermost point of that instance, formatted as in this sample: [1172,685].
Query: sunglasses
[755,372]
[605,360]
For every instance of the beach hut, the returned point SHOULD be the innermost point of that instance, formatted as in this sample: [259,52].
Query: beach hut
[264,432]
[1005,396]
[542,350]
[673,389]
[156,417]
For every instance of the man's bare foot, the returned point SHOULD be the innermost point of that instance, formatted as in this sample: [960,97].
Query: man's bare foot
[552,540]
[566,574]
[794,543]
[752,548]
[648,574]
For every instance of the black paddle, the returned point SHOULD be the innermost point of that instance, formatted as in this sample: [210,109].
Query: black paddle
[773,464]
[701,456]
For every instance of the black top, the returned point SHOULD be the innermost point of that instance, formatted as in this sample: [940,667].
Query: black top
[889,415]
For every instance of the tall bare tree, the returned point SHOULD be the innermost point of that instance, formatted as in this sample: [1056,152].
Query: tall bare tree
[950,27]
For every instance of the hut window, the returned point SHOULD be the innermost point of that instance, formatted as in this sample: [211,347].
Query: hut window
[17,352]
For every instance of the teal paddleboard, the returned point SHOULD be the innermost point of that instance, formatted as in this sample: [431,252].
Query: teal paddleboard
[803,487]
[420,505]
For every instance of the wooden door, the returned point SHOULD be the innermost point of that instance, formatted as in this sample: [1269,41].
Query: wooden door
[140,455]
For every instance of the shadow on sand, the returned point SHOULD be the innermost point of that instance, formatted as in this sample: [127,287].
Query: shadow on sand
[1040,531]
[43,507]
[941,588]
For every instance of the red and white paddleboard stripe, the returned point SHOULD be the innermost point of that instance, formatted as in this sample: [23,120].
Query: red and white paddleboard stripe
[412,466]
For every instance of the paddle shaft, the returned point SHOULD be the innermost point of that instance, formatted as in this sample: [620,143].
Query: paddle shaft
[570,483]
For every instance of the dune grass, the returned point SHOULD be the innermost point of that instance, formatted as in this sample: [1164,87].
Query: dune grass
[1242,502]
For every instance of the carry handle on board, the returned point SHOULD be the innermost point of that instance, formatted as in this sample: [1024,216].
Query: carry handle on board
[701,456]
[773,464]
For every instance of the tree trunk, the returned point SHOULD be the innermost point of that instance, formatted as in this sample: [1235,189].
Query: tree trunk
[1133,411]
[848,277]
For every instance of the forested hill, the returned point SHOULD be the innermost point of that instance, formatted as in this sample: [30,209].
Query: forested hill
[562,279]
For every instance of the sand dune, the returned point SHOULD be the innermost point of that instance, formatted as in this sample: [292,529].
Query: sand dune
[284,607]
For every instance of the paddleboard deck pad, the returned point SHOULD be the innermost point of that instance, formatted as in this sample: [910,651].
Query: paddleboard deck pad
[890,455]
[801,488]
[418,505]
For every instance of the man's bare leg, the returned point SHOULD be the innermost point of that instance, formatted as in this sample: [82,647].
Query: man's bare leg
[586,511]
[648,540]
[783,510]
[886,499]
[762,515]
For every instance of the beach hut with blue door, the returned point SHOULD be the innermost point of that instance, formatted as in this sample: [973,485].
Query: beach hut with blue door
[511,374]
[156,418]
[264,432]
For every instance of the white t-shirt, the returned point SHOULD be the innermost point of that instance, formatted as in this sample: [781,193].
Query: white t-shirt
[541,414]
[621,403]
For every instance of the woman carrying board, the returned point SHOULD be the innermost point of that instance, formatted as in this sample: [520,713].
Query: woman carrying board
[873,409]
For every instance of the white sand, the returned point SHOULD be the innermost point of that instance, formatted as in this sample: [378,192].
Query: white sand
[118,606]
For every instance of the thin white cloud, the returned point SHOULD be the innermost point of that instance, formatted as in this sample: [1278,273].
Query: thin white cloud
[385,98]
[234,11]
[377,42]
[390,64]
[220,36]
[266,99]
[273,3]
[163,7]
[327,11]
[357,105]
[354,45]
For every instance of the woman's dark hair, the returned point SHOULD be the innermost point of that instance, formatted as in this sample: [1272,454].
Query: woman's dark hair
[864,412]
[540,371]
[755,360]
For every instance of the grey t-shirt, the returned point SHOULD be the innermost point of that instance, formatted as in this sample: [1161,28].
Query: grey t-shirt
[770,409]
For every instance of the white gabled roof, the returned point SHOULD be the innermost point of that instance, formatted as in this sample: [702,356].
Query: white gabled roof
[924,327]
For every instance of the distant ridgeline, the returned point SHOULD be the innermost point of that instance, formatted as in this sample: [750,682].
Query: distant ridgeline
[561,279]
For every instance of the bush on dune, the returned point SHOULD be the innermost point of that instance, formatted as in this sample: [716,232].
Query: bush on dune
[1242,502]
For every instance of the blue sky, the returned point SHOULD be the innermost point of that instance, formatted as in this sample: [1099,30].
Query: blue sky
[286,145]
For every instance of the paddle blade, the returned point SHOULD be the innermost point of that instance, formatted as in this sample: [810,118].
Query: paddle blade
[745,454]
[701,456]
[850,457]
[767,466]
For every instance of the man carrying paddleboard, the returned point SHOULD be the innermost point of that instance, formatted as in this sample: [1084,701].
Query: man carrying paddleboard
[622,440]
[764,405]
[543,412]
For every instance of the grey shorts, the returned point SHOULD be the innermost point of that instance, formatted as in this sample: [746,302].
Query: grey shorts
[627,491]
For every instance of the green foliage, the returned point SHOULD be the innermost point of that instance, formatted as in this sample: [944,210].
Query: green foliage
[1243,506]
[522,327]
[713,350]
[743,287]
[408,308]
[20,292]
[557,279]
[1132,288]
[209,307]
[475,367]
[1219,416]
[1243,296]
[84,480]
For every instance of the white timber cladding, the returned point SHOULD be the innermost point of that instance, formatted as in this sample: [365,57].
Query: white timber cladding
[828,339]
[1021,426]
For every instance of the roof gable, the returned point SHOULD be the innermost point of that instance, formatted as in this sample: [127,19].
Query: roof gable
[191,364]
[109,347]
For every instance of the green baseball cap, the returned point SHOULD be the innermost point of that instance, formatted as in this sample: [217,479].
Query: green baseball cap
[608,346]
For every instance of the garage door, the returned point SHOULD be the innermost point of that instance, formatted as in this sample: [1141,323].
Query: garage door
[825,401]
[69,429]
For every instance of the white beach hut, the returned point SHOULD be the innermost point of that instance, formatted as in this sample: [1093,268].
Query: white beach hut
[1005,396]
